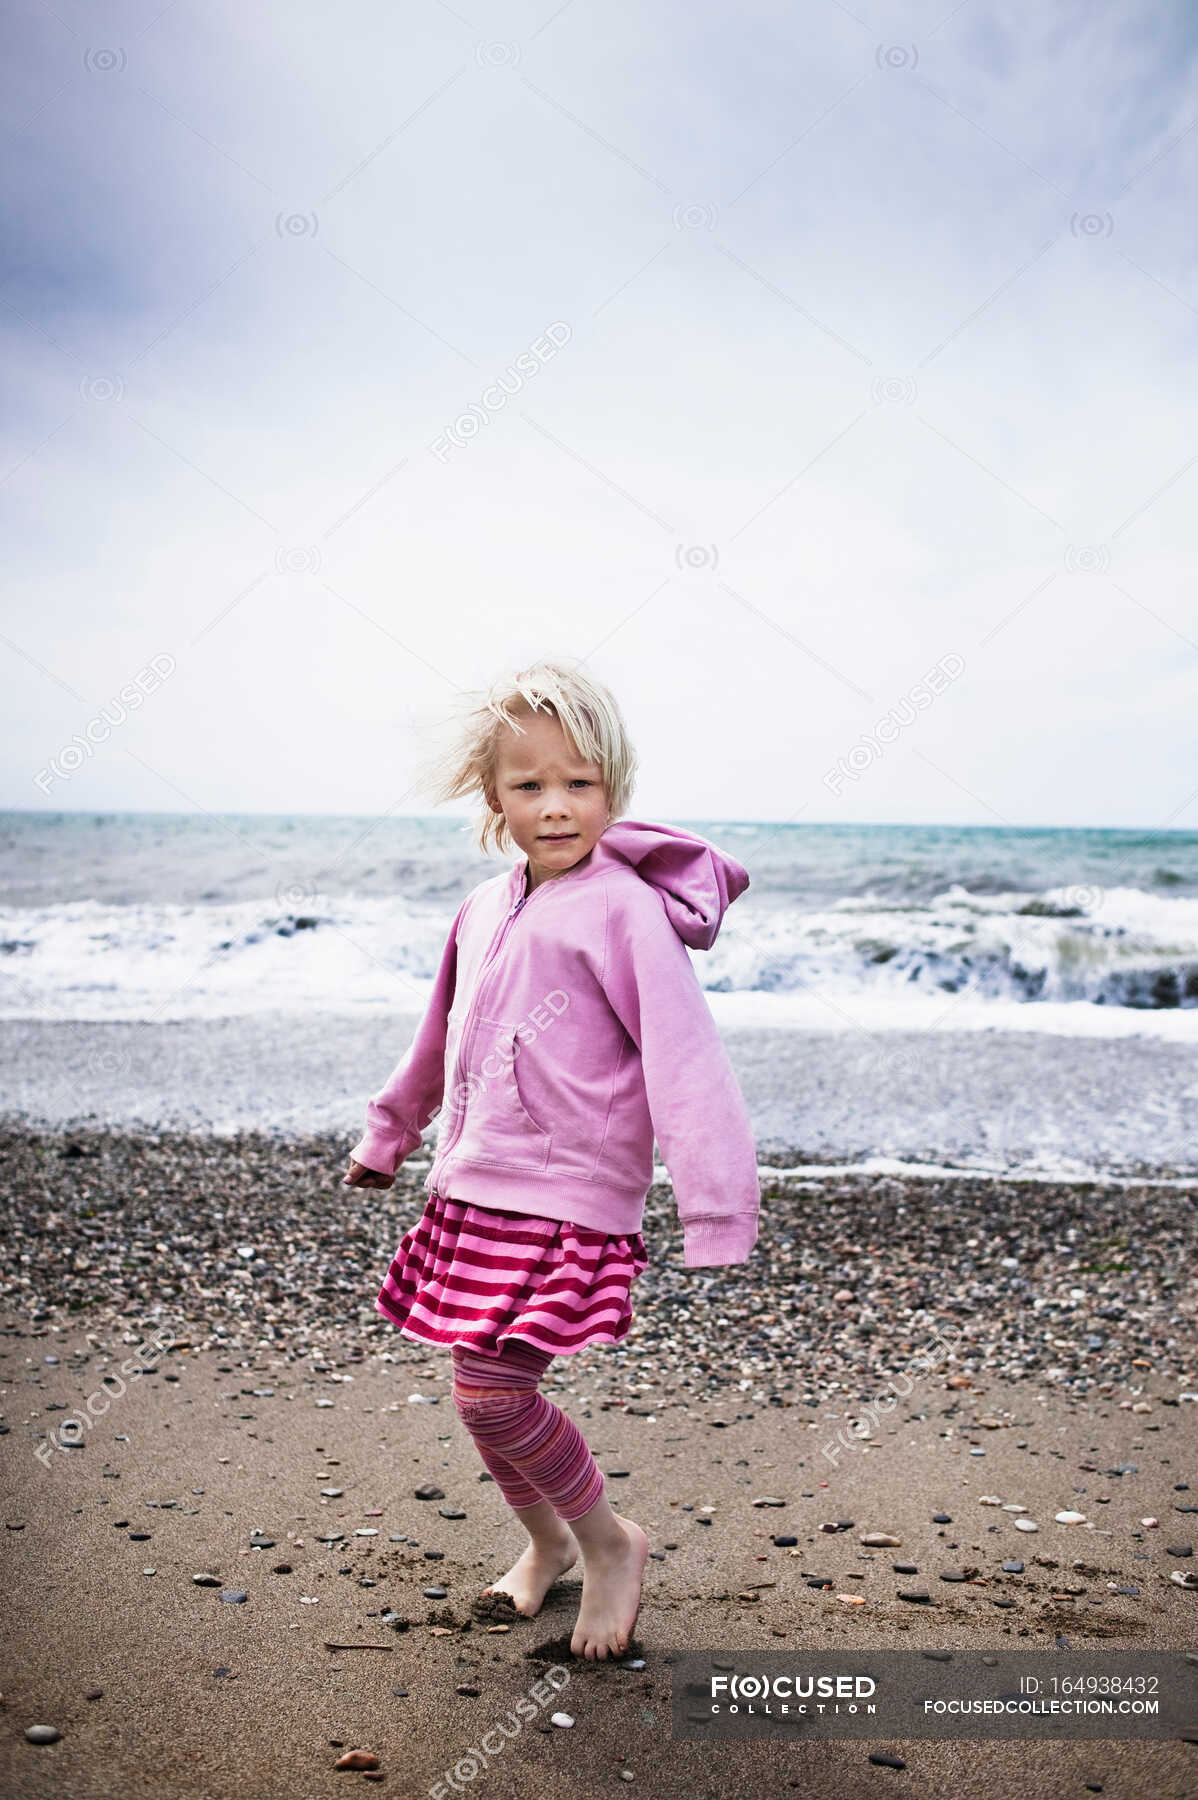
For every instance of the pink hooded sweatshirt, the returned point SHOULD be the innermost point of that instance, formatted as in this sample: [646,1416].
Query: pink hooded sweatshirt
[566,1029]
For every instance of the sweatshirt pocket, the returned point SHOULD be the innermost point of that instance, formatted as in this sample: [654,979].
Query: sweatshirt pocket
[498,1126]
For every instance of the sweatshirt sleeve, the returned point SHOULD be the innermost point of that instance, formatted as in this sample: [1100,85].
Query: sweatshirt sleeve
[398,1113]
[699,1115]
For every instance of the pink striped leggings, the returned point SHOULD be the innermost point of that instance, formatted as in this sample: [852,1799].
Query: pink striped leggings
[533,1451]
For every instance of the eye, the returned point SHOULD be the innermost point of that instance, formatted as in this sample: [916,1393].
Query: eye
[581,782]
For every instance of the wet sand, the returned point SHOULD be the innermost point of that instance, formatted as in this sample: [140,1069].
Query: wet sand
[282,1381]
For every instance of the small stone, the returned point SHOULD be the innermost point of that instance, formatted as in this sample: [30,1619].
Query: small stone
[42,1734]
[989,1499]
[560,1718]
[429,1492]
[905,1568]
[768,1500]
[1014,1567]
[206,1580]
[434,1593]
[1185,1578]
[942,1518]
[332,1493]
[1026,1525]
[885,1761]
[914,1594]
[880,1540]
[465,1687]
[784,1542]
[1179,1549]
[952,1575]
[1069,1518]
[95,1694]
[149,1571]
[1151,1523]
[451,1512]
[234,1596]
[357,1759]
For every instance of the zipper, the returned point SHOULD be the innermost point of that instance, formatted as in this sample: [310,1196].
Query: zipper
[492,956]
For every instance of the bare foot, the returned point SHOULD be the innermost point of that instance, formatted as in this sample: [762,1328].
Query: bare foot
[533,1574]
[611,1595]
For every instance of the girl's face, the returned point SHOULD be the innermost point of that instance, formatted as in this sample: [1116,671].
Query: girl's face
[553,801]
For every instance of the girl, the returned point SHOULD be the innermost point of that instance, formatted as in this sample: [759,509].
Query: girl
[566,1029]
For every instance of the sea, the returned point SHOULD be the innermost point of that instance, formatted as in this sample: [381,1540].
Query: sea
[182,916]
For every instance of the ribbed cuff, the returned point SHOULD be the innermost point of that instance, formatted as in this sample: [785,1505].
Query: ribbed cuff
[718,1239]
[382,1154]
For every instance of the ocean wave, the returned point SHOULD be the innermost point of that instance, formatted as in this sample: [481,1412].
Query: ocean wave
[1119,948]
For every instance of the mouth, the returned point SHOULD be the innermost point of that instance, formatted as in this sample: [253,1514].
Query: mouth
[557,837]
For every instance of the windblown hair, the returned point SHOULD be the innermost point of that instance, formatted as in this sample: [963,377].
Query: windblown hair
[588,715]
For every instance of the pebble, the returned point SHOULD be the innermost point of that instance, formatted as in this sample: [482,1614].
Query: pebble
[332,1493]
[42,1734]
[234,1596]
[434,1593]
[942,1518]
[429,1492]
[206,1580]
[1015,1567]
[1026,1525]
[1179,1549]
[905,1568]
[1068,1518]
[357,1759]
[885,1761]
[560,1718]
[880,1540]
[914,1594]
[451,1512]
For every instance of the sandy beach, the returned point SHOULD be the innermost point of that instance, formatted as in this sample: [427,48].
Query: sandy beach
[277,1445]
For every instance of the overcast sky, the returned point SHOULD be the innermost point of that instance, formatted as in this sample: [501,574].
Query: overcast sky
[856,339]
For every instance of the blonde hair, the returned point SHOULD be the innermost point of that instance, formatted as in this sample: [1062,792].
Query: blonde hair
[588,715]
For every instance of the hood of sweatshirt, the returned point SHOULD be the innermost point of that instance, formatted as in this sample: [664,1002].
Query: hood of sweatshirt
[697,882]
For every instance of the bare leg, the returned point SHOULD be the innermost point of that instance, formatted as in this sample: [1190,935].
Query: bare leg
[552,1549]
[614,1551]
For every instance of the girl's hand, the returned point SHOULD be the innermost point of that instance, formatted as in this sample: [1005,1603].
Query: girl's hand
[358,1175]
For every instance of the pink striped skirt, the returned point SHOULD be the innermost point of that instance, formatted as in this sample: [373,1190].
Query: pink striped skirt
[476,1276]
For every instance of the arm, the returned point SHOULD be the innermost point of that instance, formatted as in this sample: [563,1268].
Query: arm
[699,1115]
[396,1116]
